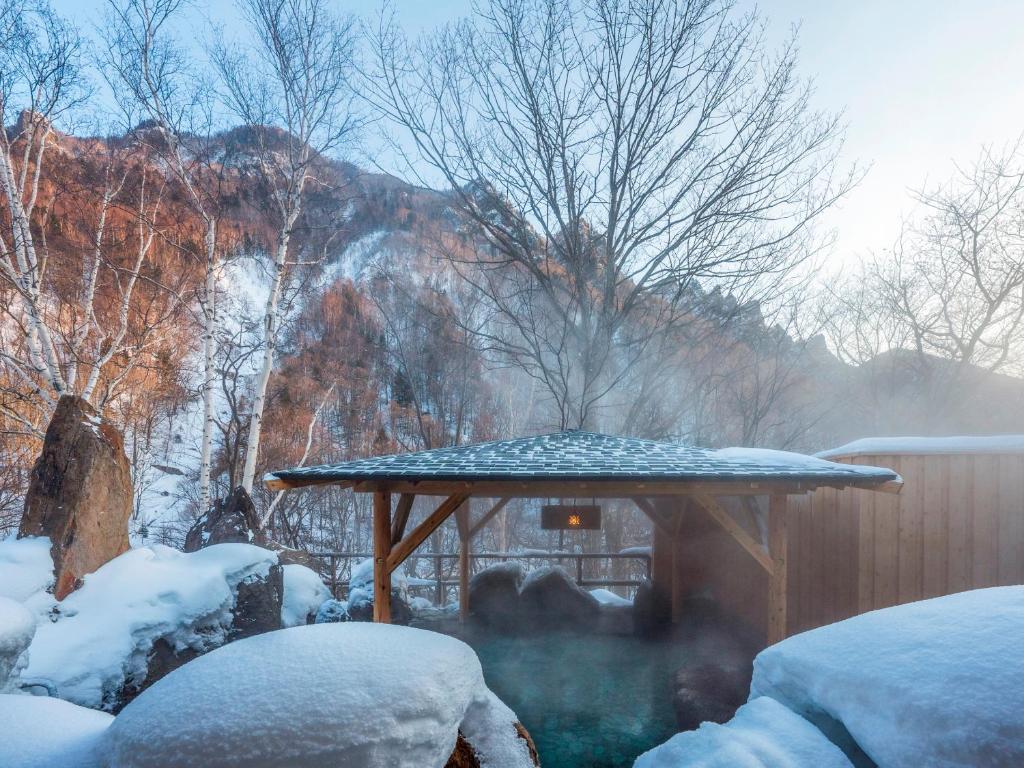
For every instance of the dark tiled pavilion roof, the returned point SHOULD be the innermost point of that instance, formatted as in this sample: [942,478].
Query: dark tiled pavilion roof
[588,456]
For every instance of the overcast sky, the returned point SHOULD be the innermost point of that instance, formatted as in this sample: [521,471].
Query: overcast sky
[923,84]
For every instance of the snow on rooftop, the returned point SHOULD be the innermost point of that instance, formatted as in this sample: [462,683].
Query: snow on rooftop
[964,444]
[933,683]
[583,456]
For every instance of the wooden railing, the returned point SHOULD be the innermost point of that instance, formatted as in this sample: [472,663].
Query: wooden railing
[439,582]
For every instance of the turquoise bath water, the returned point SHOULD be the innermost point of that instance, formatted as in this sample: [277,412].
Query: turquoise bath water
[589,701]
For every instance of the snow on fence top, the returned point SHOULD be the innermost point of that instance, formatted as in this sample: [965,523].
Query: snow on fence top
[588,456]
[895,446]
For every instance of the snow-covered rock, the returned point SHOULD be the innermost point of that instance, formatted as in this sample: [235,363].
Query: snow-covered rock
[762,734]
[26,572]
[938,682]
[17,625]
[349,695]
[304,593]
[40,732]
[105,631]
[360,594]
[332,611]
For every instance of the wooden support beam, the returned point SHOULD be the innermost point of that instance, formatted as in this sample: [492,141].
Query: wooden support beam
[408,545]
[721,516]
[402,510]
[381,551]
[488,516]
[778,543]
[462,520]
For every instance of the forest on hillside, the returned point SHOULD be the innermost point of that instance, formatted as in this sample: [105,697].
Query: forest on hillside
[608,222]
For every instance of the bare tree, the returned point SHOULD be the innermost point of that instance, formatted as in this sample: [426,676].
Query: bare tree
[40,80]
[154,80]
[951,291]
[609,155]
[291,89]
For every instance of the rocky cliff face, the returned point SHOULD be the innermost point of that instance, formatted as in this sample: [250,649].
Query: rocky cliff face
[80,493]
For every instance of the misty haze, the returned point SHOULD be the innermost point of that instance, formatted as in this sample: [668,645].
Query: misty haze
[511,383]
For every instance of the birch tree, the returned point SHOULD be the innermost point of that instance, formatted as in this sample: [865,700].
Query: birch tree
[290,87]
[153,78]
[40,80]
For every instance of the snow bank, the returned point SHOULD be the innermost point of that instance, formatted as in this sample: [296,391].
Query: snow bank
[104,631]
[26,572]
[17,625]
[940,445]
[762,734]
[937,683]
[350,695]
[607,597]
[304,593]
[40,732]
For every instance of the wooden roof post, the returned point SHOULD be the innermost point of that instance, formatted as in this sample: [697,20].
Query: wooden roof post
[381,550]
[778,546]
[662,562]
[462,522]
[678,562]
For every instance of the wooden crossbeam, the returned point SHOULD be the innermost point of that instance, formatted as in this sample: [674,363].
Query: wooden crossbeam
[408,545]
[488,516]
[721,516]
[402,510]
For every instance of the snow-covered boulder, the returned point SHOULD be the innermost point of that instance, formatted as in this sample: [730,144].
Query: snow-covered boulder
[350,695]
[360,594]
[762,734]
[938,682]
[331,611]
[304,593]
[104,633]
[40,732]
[494,595]
[17,626]
[26,572]
[550,598]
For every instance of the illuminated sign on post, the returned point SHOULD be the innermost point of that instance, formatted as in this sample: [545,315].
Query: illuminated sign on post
[567,517]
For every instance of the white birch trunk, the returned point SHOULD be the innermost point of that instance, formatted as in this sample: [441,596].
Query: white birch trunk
[271,323]
[209,363]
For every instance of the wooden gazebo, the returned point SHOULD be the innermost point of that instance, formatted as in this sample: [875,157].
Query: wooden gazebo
[662,479]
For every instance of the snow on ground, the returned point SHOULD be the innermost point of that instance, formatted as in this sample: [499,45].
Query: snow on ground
[40,732]
[762,734]
[941,445]
[938,682]
[607,597]
[304,593]
[26,571]
[104,631]
[490,726]
[17,625]
[352,695]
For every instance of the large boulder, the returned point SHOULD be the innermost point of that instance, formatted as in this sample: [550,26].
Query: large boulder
[230,521]
[79,494]
[494,595]
[366,695]
[652,611]
[550,599]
